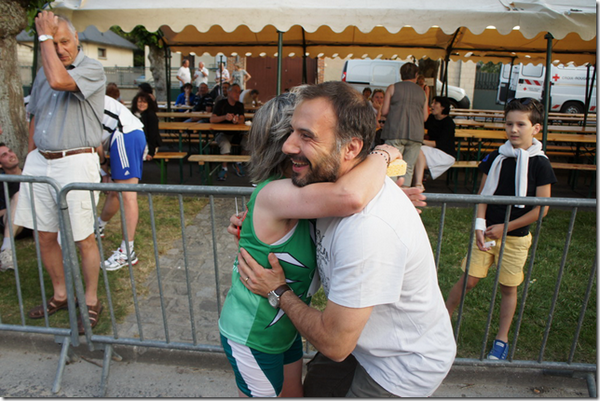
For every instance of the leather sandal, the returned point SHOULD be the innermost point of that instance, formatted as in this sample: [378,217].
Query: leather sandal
[94,314]
[52,306]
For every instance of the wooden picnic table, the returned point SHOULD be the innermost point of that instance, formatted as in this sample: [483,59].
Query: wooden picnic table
[499,114]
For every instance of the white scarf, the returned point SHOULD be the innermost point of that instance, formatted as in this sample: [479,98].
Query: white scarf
[522,156]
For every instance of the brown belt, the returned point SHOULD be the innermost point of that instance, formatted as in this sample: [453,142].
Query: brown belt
[59,154]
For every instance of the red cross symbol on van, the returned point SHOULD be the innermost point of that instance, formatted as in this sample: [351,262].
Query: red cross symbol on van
[555,77]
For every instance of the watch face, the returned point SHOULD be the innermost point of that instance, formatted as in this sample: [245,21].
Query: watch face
[273,300]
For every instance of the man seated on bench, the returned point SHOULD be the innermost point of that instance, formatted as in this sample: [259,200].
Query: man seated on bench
[9,163]
[438,152]
[230,111]
[204,102]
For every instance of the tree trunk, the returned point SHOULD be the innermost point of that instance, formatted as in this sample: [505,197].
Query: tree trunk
[156,56]
[13,19]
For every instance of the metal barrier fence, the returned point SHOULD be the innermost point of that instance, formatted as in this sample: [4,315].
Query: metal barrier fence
[175,307]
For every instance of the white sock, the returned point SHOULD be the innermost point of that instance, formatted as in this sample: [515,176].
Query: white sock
[6,244]
[124,246]
[102,223]
[224,168]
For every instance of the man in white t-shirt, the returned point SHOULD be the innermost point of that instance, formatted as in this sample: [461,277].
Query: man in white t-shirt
[201,75]
[384,304]
[184,76]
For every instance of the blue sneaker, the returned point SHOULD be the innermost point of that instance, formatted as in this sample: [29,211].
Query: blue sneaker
[239,169]
[499,350]
[222,176]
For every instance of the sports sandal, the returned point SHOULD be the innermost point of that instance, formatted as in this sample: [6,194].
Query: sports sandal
[94,314]
[52,306]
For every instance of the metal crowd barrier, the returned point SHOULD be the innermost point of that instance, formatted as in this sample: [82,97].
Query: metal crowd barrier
[66,336]
[213,255]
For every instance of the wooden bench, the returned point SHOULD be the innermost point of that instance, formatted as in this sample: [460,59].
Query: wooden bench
[164,158]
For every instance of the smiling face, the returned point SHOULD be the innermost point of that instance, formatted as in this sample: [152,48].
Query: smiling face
[312,144]
[8,158]
[142,104]
[519,129]
[65,44]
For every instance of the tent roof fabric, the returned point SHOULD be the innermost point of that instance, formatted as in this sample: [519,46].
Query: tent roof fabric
[491,30]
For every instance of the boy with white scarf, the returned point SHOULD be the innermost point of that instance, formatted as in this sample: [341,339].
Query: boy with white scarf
[517,168]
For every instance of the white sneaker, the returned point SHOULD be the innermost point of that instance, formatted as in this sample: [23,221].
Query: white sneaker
[6,260]
[119,259]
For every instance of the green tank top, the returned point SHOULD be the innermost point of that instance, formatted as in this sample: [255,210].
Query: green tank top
[248,318]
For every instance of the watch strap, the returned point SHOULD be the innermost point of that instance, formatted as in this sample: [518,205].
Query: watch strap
[43,38]
[281,289]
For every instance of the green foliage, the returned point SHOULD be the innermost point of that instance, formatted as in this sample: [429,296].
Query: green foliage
[141,37]
[33,8]
[490,67]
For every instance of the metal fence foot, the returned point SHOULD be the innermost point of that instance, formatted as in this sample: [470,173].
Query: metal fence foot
[62,361]
[591,382]
[105,370]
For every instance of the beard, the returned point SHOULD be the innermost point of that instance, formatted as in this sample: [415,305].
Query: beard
[325,169]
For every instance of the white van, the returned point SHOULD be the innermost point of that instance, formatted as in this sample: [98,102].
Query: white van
[379,74]
[567,90]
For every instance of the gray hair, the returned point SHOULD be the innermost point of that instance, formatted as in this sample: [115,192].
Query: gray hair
[271,127]
[68,22]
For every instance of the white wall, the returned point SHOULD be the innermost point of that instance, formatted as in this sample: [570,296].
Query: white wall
[115,56]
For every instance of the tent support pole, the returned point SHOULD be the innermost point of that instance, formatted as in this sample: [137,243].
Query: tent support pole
[447,62]
[304,72]
[547,103]
[279,60]
[512,64]
[589,88]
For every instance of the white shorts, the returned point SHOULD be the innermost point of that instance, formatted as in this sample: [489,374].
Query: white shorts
[438,161]
[84,167]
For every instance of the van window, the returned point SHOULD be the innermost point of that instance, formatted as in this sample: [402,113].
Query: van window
[533,71]
[384,74]
[359,73]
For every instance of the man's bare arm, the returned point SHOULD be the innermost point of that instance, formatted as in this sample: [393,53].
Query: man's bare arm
[46,23]
[334,332]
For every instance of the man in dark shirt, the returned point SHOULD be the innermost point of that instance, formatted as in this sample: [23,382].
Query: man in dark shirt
[204,102]
[438,152]
[229,111]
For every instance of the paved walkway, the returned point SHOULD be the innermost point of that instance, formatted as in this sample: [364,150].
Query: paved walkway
[202,285]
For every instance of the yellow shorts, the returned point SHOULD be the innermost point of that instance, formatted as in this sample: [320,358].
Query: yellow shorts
[516,250]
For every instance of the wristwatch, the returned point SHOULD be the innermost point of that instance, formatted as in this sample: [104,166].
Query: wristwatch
[276,294]
[43,38]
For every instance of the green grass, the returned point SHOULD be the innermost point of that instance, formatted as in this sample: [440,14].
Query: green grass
[166,219]
[543,280]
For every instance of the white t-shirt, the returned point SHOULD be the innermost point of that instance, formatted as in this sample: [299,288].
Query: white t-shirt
[226,76]
[185,74]
[200,78]
[382,257]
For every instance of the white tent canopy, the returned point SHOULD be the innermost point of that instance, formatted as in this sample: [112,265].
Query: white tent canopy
[491,30]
